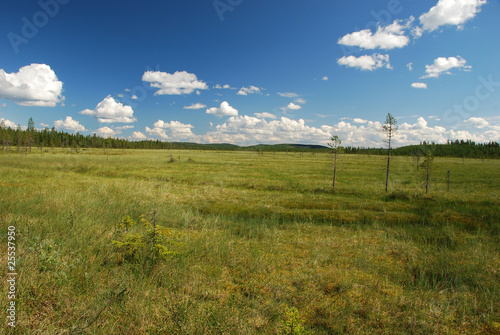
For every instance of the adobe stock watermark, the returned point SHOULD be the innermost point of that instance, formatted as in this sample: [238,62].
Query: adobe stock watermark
[223,6]
[30,28]
[382,18]
[11,276]
[460,112]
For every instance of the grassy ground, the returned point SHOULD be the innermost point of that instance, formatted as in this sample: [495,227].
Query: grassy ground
[263,244]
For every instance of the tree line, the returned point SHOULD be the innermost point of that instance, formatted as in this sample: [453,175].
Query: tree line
[20,139]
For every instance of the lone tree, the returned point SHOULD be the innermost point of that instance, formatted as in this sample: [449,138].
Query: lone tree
[31,131]
[336,148]
[390,127]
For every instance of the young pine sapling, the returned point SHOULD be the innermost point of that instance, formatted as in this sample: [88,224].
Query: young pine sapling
[336,149]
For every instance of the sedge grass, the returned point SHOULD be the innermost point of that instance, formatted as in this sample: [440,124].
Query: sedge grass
[262,235]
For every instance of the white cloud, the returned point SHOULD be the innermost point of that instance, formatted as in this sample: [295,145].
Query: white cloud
[369,134]
[176,130]
[265,115]
[417,32]
[477,122]
[173,84]
[292,106]
[300,101]
[223,110]
[109,111]
[325,78]
[8,123]
[322,115]
[366,63]
[134,97]
[32,85]
[250,130]
[106,132]
[69,124]
[288,95]
[123,127]
[358,120]
[159,132]
[196,106]
[137,135]
[443,65]
[3,105]
[387,38]
[410,66]
[248,90]
[245,130]
[450,12]
[419,85]
[226,86]
[44,125]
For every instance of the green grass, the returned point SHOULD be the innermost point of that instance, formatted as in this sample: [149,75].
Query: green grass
[263,242]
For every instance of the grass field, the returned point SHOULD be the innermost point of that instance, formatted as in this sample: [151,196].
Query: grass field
[260,244]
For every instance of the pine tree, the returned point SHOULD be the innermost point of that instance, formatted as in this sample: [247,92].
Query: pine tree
[389,128]
[336,148]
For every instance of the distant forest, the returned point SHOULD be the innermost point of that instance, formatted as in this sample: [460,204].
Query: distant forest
[24,140]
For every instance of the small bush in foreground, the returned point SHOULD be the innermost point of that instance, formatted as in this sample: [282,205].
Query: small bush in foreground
[147,242]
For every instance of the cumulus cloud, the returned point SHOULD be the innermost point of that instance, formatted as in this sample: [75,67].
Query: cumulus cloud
[176,130]
[32,85]
[365,62]
[110,111]
[419,85]
[325,78]
[246,130]
[358,120]
[196,106]
[409,66]
[137,135]
[444,65]
[265,115]
[173,84]
[249,130]
[69,124]
[106,132]
[477,122]
[450,12]
[224,110]
[291,106]
[8,123]
[249,90]
[300,101]
[387,38]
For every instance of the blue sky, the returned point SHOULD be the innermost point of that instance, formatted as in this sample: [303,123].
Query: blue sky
[248,72]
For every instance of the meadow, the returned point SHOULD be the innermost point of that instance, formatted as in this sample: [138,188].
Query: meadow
[258,243]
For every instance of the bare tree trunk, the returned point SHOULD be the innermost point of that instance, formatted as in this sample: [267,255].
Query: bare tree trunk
[334,170]
[388,164]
